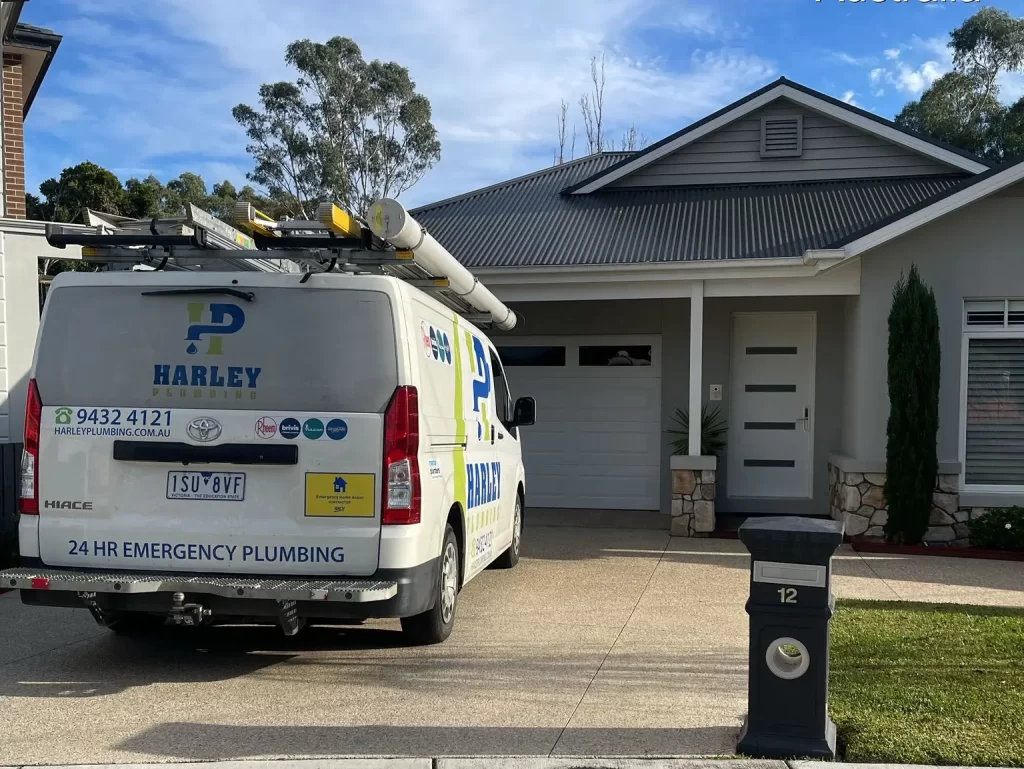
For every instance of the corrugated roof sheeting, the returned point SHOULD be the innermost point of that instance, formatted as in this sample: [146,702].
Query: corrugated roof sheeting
[527,222]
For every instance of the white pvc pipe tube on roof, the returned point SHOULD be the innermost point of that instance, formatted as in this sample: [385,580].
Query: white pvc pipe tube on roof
[391,222]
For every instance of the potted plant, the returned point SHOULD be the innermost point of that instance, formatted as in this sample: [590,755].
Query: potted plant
[712,431]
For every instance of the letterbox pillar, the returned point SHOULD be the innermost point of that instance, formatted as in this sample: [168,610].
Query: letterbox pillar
[790,606]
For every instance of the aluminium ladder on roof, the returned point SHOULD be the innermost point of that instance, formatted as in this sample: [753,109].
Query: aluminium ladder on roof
[334,241]
[161,243]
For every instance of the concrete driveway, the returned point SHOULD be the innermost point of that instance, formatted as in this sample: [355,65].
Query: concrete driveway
[601,642]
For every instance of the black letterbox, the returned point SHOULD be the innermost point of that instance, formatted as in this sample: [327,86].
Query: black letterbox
[790,606]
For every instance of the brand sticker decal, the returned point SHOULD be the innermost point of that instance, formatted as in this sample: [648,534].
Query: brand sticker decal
[206,552]
[141,423]
[340,495]
[434,468]
[425,331]
[484,483]
[208,324]
[310,428]
[481,390]
[290,428]
[337,429]
[266,427]
[436,344]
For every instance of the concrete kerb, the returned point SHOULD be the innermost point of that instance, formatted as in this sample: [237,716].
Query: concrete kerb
[531,762]
[493,762]
[477,762]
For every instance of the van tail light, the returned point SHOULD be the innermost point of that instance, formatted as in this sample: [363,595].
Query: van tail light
[28,499]
[401,483]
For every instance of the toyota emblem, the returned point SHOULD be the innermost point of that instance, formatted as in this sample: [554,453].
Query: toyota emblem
[203,429]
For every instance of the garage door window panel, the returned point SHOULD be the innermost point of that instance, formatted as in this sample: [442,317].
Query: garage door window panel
[520,356]
[615,355]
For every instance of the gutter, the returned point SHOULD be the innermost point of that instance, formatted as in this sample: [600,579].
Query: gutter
[656,270]
[652,272]
[13,14]
[827,257]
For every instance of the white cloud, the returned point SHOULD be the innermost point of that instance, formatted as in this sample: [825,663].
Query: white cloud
[697,19]
[854,61]
[494,75]
[912,67]
[1011,87]
[937,47]
[55,110]
[849,97]
[877,76]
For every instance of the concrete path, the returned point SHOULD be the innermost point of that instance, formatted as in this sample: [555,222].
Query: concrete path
[603,642]
[502,762]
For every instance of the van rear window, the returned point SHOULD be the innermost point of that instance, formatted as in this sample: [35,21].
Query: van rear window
[290,349]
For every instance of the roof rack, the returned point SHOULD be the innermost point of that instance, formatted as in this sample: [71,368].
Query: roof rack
[395,245]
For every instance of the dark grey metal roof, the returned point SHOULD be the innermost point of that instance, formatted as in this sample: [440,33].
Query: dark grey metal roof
[526,222]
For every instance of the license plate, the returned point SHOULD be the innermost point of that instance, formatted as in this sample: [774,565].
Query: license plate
[198,484]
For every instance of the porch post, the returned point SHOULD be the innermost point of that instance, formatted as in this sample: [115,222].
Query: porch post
[696,364]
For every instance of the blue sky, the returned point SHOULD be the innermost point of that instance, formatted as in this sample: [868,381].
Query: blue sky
[144,86]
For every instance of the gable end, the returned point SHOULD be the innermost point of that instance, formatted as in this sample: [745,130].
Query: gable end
[944,155]
[784,142]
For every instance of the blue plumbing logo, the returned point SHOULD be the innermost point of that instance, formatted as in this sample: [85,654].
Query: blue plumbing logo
[224,319]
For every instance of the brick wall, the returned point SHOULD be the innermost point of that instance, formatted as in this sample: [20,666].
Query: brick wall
[14,139]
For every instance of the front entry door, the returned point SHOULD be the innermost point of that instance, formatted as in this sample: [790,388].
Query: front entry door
[771,412]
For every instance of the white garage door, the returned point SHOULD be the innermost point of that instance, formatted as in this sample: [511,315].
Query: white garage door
[597,442]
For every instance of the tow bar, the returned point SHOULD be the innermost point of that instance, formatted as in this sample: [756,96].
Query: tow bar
[187,614]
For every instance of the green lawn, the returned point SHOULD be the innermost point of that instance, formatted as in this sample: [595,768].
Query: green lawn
[928,684]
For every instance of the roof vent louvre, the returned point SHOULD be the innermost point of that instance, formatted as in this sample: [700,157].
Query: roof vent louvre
[782,137]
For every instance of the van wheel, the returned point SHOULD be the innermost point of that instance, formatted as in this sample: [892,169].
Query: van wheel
[136,623]
[510,557]
[435,625]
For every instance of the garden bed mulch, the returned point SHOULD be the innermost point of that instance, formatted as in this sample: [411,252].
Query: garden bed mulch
[874,546]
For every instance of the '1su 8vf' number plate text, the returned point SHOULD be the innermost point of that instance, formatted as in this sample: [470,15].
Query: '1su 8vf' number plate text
[198,484]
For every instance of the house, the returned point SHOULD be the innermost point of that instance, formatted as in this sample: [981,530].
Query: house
[27,53]
[748,262]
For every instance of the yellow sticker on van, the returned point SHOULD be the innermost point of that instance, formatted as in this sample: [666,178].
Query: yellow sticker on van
[340,495]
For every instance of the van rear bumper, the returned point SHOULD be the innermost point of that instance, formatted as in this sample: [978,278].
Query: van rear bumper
[388,593]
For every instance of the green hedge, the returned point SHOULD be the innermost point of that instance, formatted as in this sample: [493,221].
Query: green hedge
[999,529]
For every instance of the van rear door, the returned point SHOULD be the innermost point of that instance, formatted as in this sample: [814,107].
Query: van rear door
[213,423]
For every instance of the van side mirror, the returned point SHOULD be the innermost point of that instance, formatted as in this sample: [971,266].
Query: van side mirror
[524,413]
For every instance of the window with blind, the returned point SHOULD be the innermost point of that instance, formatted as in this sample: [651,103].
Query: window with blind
[994,408]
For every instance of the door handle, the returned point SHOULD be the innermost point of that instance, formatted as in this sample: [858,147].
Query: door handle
[492,433]
[806,418]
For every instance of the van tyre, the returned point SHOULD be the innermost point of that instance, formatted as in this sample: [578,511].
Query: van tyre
[510,557]
[435,625]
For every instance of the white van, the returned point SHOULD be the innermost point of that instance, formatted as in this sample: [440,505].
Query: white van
[238,447]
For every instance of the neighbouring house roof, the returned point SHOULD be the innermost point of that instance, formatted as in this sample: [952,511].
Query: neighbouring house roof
[807,97]
[36,46]
[526,222]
